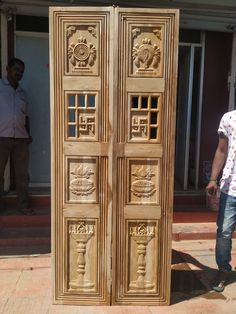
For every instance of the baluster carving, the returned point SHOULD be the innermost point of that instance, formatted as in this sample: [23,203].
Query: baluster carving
[81,233]
[142,235]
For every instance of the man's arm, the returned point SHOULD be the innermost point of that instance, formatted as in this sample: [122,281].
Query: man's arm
[218,163]
[27,127]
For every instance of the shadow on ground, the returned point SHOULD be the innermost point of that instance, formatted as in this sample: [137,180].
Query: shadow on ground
[187,283]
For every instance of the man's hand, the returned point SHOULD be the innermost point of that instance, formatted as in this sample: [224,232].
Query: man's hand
[212,186]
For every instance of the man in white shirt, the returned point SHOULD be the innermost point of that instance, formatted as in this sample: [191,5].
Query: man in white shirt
[225,156]
[14,131]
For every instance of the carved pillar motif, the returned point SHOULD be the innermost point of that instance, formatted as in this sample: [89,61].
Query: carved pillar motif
[141,234]
[81,233]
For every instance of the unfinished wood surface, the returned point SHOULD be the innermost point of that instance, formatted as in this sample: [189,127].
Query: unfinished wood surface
[113,90]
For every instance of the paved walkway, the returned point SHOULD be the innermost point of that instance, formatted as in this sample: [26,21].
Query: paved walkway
[26,285]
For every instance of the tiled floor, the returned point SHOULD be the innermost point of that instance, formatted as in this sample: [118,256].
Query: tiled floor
[26,286]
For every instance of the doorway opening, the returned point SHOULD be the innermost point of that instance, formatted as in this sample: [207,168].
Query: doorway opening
[189,109]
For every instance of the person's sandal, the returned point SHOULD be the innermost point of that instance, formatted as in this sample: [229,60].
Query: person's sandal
[220,281]
[27,211]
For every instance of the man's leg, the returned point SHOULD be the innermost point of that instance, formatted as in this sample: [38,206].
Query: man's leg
[226,225]
[5,148]
[20,158]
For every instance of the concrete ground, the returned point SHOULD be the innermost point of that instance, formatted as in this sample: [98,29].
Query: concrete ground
[26,285]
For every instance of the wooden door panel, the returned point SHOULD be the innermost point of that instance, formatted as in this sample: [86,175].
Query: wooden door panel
[113,78]
[81,154]
[144,124]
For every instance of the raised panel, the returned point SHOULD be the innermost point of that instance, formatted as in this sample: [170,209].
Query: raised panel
[142,248]
[143,181]
[146,43]
[83,248]
[82,185]
[82,49]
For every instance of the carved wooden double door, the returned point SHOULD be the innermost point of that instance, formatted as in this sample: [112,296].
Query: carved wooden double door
[113,89]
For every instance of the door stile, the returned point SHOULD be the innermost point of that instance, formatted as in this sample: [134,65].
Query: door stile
[171,95]
[56,133]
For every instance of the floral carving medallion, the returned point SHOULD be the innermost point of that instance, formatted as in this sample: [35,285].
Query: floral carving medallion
[82,54]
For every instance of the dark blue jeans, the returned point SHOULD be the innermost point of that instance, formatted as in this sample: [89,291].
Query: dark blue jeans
[19,151]
[226,223]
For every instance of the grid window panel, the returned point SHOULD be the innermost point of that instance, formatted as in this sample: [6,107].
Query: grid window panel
[145,118]
[81,116]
